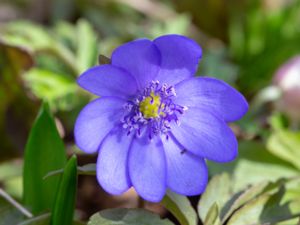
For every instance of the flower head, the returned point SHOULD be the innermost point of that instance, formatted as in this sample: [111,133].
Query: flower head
[155,124]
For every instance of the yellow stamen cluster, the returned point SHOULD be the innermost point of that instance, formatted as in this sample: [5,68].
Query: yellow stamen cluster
[150,106]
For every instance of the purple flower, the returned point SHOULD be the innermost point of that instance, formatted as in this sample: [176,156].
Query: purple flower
[155,124]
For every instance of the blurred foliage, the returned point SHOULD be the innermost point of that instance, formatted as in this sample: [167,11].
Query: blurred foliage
[14,105]
[60,58]
[265,202]
[262,37]
[46,44]
[8,213]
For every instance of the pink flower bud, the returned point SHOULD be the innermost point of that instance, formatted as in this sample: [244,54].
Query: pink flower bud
[287,78]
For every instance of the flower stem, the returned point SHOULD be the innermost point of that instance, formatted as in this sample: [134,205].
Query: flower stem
[17,205]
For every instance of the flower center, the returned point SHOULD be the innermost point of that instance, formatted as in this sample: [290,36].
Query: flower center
[153,109]
[151,105]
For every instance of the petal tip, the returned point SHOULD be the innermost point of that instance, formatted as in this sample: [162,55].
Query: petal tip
[151,197]
[77,139]
[84,79]
[110,189]
[229,157]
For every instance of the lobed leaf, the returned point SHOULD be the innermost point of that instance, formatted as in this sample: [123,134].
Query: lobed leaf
[242,198]
[127,217]
[180,207]
[285,144]
[212,217]
[267,208]
[255,164]
[217,192]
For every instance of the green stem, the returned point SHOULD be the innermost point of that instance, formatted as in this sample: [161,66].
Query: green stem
[172,208]
[36,219]
[22,209]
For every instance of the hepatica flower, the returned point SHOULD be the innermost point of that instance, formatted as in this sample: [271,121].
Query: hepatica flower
[155,124]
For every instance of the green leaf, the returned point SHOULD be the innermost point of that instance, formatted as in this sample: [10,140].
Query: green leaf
[259,172]
[44,152]
[242,198]
[87,46]
[250,213]
[65,33]
[255,164]
[278,121]
[64,206]
[50,86]
[212,217]
[127,217]
[44,219]
[267,208]
[217,192]
[34,36]
[285,144]
[180,207]
[289,222]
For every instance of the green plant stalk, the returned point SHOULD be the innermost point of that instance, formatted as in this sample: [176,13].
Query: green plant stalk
[17,205]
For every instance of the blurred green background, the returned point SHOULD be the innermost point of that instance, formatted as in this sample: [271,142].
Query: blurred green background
[46,44]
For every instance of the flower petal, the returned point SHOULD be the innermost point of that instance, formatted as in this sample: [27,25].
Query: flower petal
[186,173]
[107,80]
[179,58]
[112,172]
[213,95]
[140,58]
[147,168]
[95,121]
[205,135]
